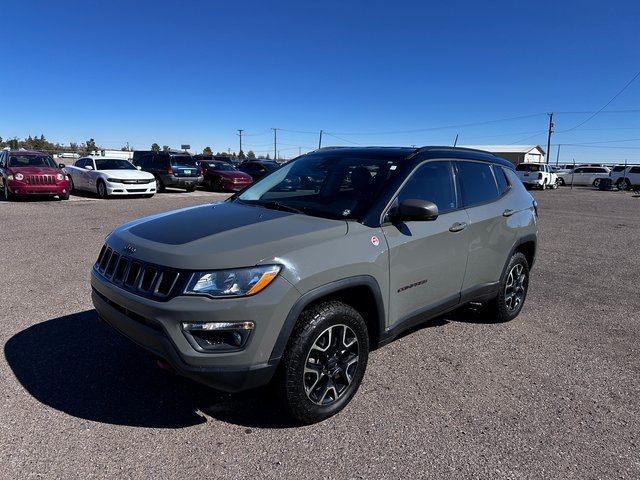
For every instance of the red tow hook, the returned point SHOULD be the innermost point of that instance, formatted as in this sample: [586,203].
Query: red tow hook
[163,364]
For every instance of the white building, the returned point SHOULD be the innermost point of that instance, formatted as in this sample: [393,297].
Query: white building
[514,153]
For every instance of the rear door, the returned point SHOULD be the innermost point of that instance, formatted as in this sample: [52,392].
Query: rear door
[490,237]
[427,259]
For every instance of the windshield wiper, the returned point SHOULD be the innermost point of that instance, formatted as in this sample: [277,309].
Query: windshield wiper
[273,205]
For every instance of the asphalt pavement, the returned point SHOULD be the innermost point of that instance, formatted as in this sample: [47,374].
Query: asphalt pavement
[552,394]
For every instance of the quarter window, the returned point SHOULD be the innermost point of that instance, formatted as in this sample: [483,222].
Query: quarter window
[433,181]
[501,179]
[477,182]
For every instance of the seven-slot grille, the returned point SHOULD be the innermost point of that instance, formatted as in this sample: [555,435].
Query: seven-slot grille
[41,179]
[139,277]
[142,181]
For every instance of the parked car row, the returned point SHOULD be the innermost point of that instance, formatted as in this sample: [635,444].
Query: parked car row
[25,173]
[540,175]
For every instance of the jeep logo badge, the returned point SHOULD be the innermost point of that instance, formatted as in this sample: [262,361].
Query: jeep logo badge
[129,248]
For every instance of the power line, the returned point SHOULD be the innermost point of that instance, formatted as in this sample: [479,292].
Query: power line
[605,105]
[417,130]
[340,138]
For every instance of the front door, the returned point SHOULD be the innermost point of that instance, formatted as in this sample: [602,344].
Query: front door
[427,259]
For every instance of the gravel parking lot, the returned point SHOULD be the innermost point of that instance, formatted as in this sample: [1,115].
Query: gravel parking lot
[552,394]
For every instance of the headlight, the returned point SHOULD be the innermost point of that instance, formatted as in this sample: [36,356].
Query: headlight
[60,177]
[19,176]
[232,283]
[113,180]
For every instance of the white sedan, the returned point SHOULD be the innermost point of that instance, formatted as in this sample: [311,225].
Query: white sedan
[109,176]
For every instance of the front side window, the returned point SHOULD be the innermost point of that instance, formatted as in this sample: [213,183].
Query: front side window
[634,170]
[477,183]
[433,182]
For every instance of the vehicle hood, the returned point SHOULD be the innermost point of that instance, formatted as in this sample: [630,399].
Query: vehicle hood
[35,170]
[127,174]
[222,235]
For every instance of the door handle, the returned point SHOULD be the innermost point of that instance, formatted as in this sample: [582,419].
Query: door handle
[508,212]
[458,227]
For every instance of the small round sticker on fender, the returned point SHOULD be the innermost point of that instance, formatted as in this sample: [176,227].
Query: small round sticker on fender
[375,241]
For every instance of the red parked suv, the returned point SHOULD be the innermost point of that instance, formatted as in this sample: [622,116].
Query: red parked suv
[24,172]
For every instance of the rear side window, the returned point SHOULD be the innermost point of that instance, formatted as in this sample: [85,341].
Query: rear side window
[634,170]
[433,181]
[477,183]
[501,179]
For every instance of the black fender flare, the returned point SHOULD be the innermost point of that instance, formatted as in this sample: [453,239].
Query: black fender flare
[322,291]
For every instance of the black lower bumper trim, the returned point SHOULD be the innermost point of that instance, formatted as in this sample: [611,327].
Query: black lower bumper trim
[155,340]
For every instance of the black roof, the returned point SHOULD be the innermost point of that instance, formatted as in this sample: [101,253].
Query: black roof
[398,153]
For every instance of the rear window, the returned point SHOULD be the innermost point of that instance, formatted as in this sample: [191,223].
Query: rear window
[478,183]
[183,161]
[528,167]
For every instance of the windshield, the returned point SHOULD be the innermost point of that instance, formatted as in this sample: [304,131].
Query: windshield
[329,187]
[114,164]
[219,166]
[528,167]
[31,161]
[183,161]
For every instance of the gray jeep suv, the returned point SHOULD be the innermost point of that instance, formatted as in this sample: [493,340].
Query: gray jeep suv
[297,284]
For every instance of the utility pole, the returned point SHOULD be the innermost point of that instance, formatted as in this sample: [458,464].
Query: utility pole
[240,135]
[549,135]
[320,140]
[558,155]
[299,151]
[275,142]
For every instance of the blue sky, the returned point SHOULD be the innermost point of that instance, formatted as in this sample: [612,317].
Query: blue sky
[364,71]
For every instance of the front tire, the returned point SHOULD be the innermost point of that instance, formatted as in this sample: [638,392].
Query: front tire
[325,361]
[8,196]
[102,189]
[596,182]
[561,182]
[72,187]
[512,292]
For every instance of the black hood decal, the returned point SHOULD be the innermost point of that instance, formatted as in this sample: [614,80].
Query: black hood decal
[189,225]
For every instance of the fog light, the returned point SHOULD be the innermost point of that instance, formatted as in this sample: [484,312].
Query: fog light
[217,336]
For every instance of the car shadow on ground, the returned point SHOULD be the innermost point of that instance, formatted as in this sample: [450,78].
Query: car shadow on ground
[78,365]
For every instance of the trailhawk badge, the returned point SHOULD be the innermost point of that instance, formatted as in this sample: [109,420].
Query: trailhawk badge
[375,240]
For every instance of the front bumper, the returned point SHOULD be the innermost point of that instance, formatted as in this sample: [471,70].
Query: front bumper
[23,188]
[156,326]
[131,189]
[231,186]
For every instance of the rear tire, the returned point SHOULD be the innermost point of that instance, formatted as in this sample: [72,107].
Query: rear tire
[555,185]
[191,189]
[561,182]
[512,292]
[72,187]
[325,361]
[160,186]
[596,182]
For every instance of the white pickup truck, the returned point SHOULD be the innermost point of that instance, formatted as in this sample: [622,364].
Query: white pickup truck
[537,175]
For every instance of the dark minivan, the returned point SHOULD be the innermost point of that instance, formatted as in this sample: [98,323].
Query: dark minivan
[171,169]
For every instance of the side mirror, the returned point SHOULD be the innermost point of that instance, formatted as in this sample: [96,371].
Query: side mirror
[417,210]
[61,165]
[88,167]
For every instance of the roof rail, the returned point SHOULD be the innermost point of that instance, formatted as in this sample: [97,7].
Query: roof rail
[446,147]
